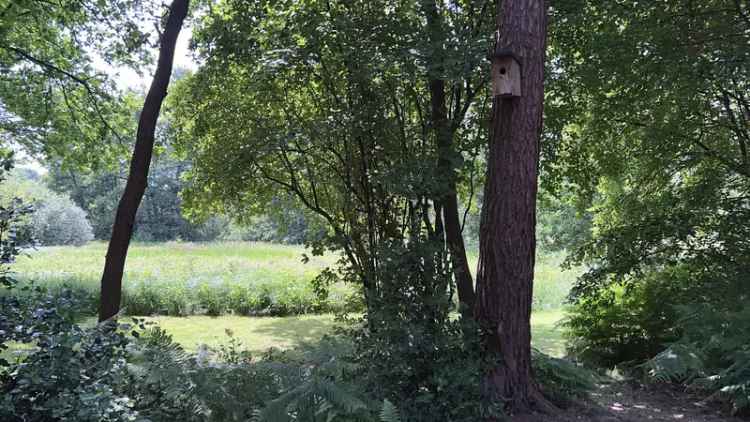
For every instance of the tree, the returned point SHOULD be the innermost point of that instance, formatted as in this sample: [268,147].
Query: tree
[660,144]
[122,230]
[445,128]
[507,233]
[54,102]
[659,148]
[331,103]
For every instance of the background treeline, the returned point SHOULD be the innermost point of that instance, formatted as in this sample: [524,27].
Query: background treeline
[73,207]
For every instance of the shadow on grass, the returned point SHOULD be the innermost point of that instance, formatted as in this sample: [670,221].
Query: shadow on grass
[257,334]
[294,331]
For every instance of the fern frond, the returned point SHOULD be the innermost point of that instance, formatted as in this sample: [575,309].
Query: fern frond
[679,362]
[389,412]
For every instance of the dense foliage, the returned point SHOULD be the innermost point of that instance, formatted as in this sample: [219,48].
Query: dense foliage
[134,371]
[139,373]
[13,219]
[656,112]
[55,99]
[161,216]
[349,126]
[332,111]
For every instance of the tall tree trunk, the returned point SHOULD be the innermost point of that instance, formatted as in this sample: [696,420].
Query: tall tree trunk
[447,201]
[122,230]
[507,233]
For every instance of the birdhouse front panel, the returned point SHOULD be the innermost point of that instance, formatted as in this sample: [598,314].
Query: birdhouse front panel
[506,77]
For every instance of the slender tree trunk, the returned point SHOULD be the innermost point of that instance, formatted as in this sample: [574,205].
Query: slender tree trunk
[507,235]
[448,200]
[122,230]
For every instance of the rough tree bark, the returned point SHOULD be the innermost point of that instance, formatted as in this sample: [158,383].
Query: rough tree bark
[507,230]
[122,230]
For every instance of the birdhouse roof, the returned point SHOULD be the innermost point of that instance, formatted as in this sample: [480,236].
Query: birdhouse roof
[502,53]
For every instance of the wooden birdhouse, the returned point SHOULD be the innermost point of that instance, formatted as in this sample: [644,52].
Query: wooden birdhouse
[506,74]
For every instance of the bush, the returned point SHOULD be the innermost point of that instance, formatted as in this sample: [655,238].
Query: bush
[681,323]
[129,372]
[259,229]
[628,322]
[212,229]
[713,354]
[562,380]
[58,221]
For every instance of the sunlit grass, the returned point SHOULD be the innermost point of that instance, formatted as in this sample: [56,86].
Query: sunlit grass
[257,334]
[246,278]
[178,278]
[546,335]
[260,334]
[175,270]
[175,261]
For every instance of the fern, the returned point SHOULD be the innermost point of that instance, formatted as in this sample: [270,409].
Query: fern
[561,378]
[733,383]
[679,362]
[389,412]
[713,356]
[317,396]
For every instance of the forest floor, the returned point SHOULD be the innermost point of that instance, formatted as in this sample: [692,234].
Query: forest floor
[626,401]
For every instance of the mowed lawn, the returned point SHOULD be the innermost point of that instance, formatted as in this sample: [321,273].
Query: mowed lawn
[260,334]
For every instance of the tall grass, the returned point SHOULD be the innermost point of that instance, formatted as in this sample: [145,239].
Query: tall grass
[178,278]
[243,278]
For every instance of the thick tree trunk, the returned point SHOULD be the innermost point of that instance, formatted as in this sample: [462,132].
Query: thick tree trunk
[507,235]
[122,230]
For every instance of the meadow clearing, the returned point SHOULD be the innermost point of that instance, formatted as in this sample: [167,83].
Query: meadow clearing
[259,292]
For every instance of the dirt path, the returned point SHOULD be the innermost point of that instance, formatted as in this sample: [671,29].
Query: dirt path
[627,403]
[624,402]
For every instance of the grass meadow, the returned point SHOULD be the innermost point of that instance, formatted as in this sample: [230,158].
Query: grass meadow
[180,279]
[200,291]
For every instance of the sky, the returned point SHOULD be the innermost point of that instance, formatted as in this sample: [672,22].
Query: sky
[127,78]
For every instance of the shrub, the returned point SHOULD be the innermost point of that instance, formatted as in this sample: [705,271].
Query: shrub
[212,298]
[713,355]
[628,322]
[562,380]
[12,221]
[212,229]
[683,323]
[129,372]
[58,221]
